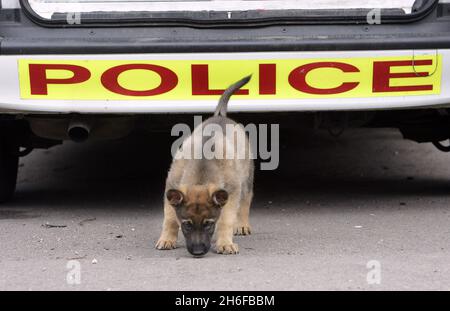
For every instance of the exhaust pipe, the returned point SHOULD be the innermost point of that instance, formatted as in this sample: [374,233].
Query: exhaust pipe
[79,129]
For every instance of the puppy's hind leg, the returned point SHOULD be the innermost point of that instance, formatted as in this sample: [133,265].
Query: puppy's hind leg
[169,234]
[242,226]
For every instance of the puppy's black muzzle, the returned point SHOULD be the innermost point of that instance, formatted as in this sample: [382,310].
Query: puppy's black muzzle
[199,249]
[198,243]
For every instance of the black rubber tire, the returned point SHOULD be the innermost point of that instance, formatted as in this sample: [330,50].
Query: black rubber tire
[9,163]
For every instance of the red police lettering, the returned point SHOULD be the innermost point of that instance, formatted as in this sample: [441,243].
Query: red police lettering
[267,79]
[169,80]
[297,78]
[39,81]
[200,82]
[382,76]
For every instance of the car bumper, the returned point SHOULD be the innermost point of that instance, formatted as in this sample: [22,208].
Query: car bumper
[345,80]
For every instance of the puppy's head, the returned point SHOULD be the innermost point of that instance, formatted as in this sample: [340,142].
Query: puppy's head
[197,209]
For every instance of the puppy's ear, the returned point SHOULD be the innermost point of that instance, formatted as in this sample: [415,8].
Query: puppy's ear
[220,197]
[175,197]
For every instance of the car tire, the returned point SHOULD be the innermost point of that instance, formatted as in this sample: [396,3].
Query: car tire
[9,163]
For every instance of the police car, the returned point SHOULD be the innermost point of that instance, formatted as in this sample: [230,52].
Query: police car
[92,69]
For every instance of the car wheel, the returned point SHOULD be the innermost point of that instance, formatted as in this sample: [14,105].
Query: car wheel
[9,162]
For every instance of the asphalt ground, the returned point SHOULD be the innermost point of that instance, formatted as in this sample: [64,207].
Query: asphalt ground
[336,212]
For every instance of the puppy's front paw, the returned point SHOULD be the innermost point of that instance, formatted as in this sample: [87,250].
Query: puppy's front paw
[164,244]
[243,230]
[227,249]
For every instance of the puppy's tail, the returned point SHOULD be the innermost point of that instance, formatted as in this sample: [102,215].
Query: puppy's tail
[221,109]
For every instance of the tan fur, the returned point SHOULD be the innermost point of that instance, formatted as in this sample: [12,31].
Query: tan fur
[198,179]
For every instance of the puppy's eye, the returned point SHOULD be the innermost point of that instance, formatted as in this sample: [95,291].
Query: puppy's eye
[187,225]
[208,224]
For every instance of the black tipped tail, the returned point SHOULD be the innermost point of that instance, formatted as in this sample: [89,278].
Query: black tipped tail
[221,109]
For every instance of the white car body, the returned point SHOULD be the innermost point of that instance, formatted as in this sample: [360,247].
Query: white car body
[12,101]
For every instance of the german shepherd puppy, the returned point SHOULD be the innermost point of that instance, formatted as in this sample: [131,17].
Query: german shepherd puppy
[204,196]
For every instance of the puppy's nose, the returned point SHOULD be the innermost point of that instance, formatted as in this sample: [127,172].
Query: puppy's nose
[199,250]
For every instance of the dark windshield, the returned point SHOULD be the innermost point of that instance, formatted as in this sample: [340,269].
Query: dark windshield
[226,12]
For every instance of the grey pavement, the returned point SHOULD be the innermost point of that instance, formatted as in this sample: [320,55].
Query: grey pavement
[332,206]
